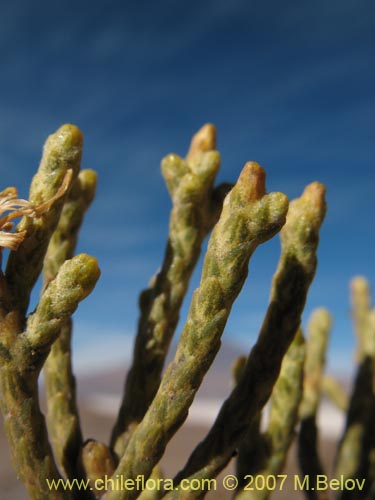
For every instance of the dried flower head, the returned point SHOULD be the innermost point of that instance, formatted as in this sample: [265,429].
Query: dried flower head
[16,207]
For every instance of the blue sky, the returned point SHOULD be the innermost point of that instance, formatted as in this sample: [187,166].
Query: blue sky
[289,84]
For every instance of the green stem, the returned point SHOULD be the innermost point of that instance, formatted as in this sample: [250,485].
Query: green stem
[356,453]
[268,457]
[62,152]
[310,463]
[249,217]
[196,207]
[299,238]
[62,411]
[26,430]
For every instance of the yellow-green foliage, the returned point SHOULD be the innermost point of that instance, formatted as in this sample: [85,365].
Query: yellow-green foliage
[240,217]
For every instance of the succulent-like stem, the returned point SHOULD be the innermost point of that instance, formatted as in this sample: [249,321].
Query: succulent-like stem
[269,456]
[64,239]
[238,368]
[96,462]
[371,433]
[356,453]
[335,392]
[25,427]
[318,332]
[22,356]
[25,342]
[62,152]
[74,281]
[252,449]
[252,453]
[354,457]
[196,208]
[62,412]
[153,493]
[249,217]
[299,238]
[361,304]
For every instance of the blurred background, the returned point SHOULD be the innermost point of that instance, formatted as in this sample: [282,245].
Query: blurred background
[288,84]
